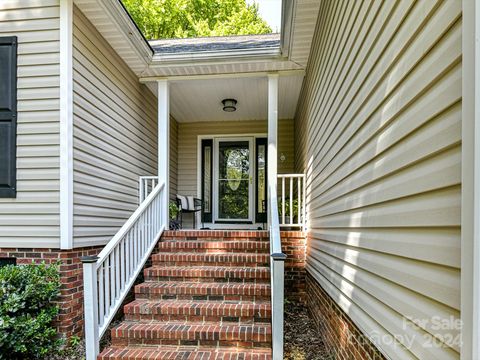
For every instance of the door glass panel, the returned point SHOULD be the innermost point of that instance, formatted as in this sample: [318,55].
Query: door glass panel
[207,178]
[261,191]
[234,180]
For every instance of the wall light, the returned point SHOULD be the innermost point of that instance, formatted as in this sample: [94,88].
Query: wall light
[229,105]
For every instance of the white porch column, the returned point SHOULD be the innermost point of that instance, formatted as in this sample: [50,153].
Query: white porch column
[272,133]
[164,144]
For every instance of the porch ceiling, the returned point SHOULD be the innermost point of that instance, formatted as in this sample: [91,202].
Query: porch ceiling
[200,100]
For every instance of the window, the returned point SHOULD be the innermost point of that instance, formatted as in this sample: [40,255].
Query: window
[207,146]
[8,116]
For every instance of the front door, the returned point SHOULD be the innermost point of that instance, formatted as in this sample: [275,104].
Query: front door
[233,184]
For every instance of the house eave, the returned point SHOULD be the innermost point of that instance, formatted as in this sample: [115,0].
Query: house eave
[125,23]
[117,27]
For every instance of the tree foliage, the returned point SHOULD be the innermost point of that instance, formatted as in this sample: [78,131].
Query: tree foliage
[162,19]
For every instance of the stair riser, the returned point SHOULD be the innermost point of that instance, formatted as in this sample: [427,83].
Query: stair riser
[198,310]
[204,275]
[215,238]
[211,258]
[203,343]
[232,280]
[208,263]
[238,297]
[249,319]
[201,247]
[206,354]
[230,293]
[180,338]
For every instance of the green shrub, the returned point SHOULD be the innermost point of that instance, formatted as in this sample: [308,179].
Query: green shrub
[27,311]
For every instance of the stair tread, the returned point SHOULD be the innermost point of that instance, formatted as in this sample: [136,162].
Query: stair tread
[145,305]
[157,326]
[182,352]
[154,332]
[194,288]
[210,267]
[212,256]
[204,271]
[263,234]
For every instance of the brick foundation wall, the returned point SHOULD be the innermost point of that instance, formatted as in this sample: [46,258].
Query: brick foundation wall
[70,320]
[294,246]
[342,337]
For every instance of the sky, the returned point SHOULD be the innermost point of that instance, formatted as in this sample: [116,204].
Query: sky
[271,12]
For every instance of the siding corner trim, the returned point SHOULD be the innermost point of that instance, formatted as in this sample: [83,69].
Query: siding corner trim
[66,124]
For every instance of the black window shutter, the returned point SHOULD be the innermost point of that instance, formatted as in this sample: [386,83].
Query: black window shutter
[8,116]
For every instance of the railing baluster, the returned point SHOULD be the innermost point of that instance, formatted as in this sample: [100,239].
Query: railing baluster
[299,200]
[116,266]
[101,297]
[283,200]
[122,265]
[304,208]
[106,284]
[291,200]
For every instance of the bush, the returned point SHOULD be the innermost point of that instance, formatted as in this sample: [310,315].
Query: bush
[27,311]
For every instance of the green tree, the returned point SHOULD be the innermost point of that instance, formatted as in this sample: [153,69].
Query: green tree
[162,19]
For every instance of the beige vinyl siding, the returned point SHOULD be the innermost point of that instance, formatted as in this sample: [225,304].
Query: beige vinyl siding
[115,136]
[32,218]
[378,132]
[173,157]
[188,134]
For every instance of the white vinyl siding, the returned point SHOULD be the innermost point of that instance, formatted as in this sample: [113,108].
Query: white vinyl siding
[378,133]
[115,136]
[188,142]
[32,219]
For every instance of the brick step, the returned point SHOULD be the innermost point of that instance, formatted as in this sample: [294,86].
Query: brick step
[216,235]
[183,353]
[207,246]
[202,291]
[207,273]
[199,310]
[192,334]
[219,259]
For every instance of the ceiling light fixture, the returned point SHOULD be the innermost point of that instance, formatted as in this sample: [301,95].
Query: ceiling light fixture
[229,105]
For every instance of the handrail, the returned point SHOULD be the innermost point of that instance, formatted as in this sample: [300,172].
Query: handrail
[109,276]
[277,268]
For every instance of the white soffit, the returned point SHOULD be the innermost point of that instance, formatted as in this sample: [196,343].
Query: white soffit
[200,100]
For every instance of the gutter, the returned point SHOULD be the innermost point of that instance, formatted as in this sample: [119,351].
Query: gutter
[222,56]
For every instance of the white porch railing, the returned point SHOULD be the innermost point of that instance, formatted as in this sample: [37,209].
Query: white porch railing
[277,268]
[292,201]
[108,277]
[145,186]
